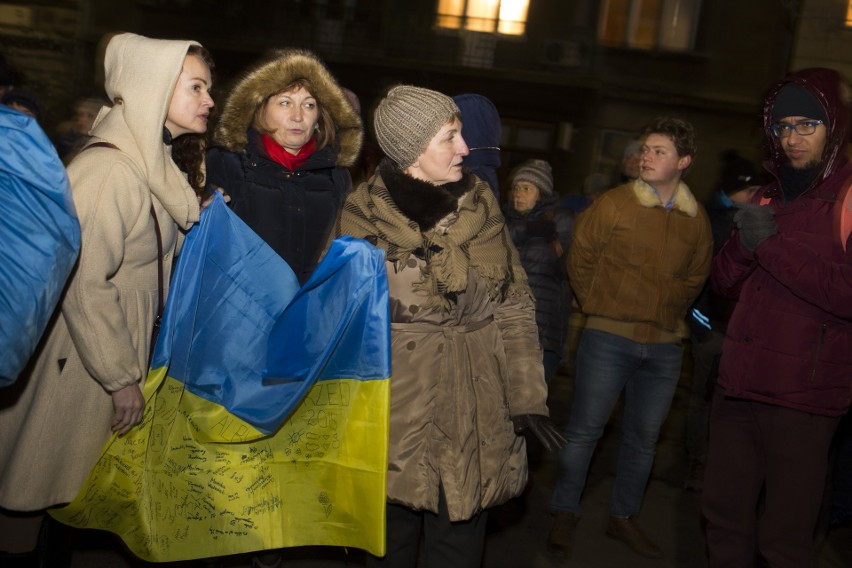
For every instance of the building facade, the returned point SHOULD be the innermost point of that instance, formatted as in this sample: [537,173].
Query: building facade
[573,80]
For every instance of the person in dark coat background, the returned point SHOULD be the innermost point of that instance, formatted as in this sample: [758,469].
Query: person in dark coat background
[482,133]
[541,231]
[287,134]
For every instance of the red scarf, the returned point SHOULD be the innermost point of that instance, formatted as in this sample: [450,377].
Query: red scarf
[285,158]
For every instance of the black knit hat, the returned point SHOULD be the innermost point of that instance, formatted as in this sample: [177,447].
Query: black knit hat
[795,100]
[737,173]
[7,76]
[26,100]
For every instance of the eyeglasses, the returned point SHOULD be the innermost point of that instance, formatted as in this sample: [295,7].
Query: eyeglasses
[802,128]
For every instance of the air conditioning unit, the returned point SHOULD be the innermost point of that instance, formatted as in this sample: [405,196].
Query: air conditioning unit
[562,53]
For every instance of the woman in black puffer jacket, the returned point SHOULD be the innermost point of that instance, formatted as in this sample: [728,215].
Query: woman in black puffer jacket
[541,232]
[287,134]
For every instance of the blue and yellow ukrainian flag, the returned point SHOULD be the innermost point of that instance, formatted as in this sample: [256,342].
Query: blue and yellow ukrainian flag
[266,424]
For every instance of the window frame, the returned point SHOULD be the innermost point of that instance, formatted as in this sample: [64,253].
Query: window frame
[465,19]
[633,27]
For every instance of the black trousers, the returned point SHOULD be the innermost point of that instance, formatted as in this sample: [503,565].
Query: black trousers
[446,544]
[755,449]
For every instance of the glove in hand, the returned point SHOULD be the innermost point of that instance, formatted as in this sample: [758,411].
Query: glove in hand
[542,427]
[755,222]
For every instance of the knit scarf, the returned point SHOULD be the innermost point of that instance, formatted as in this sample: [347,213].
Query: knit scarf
[281,156]
[795,182]
[475,239]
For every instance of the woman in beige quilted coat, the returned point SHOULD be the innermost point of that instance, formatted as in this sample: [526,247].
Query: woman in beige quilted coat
[84,383]
[467,373]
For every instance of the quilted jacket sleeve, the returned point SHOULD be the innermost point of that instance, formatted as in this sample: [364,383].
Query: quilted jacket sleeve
[526,390]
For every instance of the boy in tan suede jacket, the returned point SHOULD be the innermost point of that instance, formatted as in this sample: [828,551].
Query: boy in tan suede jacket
[639,257]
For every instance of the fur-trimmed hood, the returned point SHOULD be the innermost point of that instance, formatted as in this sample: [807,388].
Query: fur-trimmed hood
[684,201]
[269,77]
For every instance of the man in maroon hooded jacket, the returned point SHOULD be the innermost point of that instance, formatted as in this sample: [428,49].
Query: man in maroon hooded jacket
[785,377]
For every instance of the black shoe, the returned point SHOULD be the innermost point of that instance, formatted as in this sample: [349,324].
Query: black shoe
[561,537]
[627,531]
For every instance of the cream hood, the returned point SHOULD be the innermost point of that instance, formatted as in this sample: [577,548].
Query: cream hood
[141,74]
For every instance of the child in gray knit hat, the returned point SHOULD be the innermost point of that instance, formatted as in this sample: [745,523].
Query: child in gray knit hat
[541,231]
[530,182]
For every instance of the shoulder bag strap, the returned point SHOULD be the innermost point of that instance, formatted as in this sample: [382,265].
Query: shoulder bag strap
[160,292]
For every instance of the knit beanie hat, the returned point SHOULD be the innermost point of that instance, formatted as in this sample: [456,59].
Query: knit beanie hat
[737,173]
[26,100]
[633,147]
[795,100]
[408,118]
[536,172]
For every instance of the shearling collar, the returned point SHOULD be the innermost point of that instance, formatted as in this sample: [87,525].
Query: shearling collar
[684,201]
[283,67]
[422,202]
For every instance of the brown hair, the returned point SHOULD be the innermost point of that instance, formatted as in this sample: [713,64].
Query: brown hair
[680,132]
[188,150]
[325,135]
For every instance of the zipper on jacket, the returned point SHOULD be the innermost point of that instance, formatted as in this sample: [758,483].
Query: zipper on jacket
[822,330]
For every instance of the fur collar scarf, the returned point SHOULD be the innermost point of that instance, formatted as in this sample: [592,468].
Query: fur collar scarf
[422,202]
[475,241]
[684,201]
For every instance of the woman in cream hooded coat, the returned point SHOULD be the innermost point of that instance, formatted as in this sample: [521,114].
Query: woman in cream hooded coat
[85,381]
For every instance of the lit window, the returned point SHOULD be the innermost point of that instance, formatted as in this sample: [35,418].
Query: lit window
[849,15]
[650,24]
[501,16]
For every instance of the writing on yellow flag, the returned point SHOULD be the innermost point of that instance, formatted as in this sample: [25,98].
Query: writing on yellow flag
[266,417]
[171,496]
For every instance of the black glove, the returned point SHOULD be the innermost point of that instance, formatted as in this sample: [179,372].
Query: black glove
[543,428]
[755,222]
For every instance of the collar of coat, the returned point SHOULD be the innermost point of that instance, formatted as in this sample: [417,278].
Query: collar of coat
[269,77]
[477,239]
[684,201]
[422,202]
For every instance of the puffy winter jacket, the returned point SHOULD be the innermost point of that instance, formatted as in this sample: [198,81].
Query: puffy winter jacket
[789,341]
[542,238]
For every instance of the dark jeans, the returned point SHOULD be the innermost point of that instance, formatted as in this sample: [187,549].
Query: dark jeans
[606,365]
[446,544]
[755,449]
